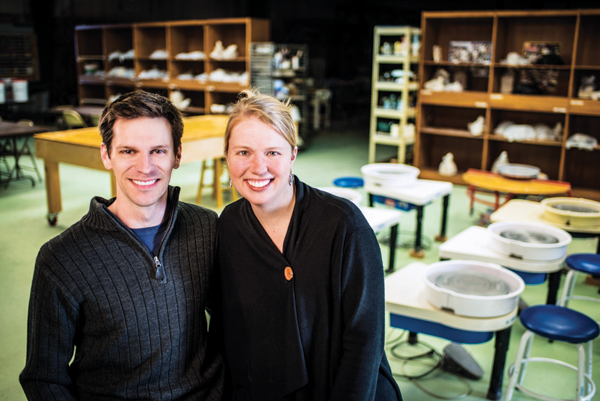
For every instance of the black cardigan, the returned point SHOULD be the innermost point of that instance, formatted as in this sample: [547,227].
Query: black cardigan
[95,288]
[320,335]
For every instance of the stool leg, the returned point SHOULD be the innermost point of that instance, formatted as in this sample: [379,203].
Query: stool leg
[201,185]
[580,372]
[526,354]
[527,337]
[568,288]
[588,364]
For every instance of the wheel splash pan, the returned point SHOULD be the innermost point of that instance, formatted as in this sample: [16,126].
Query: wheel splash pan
[472,289]
[389,174]
[573,212]
[528,241]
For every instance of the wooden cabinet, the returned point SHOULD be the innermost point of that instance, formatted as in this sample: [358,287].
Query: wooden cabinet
[443,116]
[394,88]
[163,57]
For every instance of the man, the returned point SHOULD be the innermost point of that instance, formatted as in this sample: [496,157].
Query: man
[118,299]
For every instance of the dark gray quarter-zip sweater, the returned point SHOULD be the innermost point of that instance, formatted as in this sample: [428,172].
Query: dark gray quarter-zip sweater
[95,292]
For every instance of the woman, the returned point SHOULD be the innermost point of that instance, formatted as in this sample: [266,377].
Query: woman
[302,274]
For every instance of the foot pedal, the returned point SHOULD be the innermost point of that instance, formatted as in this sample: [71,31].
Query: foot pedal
[457,360]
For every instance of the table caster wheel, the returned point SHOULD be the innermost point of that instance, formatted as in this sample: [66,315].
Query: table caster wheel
[52,218]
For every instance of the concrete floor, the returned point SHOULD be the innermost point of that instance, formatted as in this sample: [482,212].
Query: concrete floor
[331,154]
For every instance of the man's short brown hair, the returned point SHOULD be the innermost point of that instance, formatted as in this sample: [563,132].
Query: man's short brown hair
[140,104]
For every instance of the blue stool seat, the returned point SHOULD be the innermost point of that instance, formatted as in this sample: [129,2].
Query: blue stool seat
[349,182]
[584,262]
[559,323]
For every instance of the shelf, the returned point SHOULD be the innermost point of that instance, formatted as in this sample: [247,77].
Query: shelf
[385,59]
[91,58]
[90,79]
[392,86]
[584,106]
[588,67]
[453,64]
[540,103]
[450,132]
[390,113]
[532,66]
[384,138]
[500,138]
[459,99]
[432,174]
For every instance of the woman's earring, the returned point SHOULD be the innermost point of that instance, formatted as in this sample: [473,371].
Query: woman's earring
[230,183]
[291,179]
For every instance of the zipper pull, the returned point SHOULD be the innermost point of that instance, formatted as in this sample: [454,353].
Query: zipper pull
[160,272]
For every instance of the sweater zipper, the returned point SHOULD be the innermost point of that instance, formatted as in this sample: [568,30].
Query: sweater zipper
[160,272]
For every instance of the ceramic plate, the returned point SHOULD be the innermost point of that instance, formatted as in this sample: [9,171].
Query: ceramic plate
[518,171]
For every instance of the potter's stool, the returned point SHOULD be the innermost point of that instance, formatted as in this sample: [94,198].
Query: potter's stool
[560,324]
[579,262]
[217,186]
[473,244]
[382,219]
[414,196]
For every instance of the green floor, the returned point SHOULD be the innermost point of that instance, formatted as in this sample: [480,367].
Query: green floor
[331,155]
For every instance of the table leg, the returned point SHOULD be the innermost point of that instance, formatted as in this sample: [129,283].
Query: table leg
[417,252]
[471,194]
[501,349]
[393,239]
[553,285]
[371,201]
[442,237]
[53,197]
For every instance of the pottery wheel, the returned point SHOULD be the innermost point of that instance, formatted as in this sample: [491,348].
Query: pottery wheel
[574,208]
[533,237]
[472,283]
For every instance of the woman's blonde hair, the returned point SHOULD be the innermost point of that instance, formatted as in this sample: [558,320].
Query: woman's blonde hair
[269,110]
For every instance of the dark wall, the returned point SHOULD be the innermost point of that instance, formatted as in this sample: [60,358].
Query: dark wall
[338,32]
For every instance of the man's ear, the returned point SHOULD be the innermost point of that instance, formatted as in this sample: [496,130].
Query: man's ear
[105,157]
[177,157]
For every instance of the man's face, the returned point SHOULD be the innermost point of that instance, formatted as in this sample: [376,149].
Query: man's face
[142,158]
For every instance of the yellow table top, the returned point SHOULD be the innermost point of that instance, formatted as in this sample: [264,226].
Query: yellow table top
[193,128]
[495,182]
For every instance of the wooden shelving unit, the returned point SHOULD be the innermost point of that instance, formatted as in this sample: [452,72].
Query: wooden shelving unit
[386,87]
[94,45]
[442,117]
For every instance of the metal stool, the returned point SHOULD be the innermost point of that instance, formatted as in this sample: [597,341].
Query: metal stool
[579,262]
[560,324]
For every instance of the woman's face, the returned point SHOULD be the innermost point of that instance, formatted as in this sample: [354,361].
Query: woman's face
[260,161]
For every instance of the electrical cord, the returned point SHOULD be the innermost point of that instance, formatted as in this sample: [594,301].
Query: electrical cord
[384,238]
[396,343]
